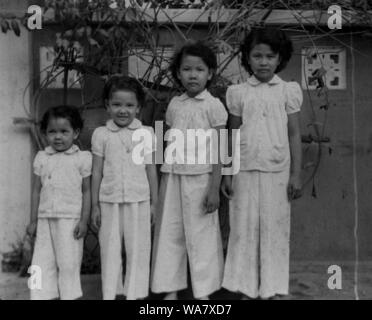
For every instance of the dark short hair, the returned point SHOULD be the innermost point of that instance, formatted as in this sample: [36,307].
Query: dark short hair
[116,83]
[70,113]
[273,37]
[196,49]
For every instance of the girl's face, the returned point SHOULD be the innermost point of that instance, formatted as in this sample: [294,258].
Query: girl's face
[263,62]
[60,134]
[122,107]
[194,74]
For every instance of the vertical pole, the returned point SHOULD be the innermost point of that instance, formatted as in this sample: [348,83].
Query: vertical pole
[65,78]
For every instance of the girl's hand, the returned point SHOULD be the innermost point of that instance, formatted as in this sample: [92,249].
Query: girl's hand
[212,201]
[294,189]
[31,229]
[80,230]
[96,218]
[226,187]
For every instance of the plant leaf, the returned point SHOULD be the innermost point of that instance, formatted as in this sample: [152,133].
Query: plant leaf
[93,42]
[4,25]
[15,27]
[104,33]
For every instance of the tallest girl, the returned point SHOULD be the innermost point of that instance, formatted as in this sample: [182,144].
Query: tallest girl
[266,110]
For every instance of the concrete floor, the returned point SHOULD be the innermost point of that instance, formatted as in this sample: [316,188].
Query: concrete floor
[308,281]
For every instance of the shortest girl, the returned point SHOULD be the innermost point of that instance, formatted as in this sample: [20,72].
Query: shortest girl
[60,205]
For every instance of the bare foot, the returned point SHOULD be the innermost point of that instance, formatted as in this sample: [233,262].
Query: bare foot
[203,298]
[171,296]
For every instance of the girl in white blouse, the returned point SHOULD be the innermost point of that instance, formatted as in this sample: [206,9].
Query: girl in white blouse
[266,109]
[187,227]
[60,206]
[124,191]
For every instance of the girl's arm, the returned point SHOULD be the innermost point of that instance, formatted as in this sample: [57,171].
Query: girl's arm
[97,173]
[35,198]
[85,213]
[212,202]
[294,135]
[152,176]
[82,227]
[234,122]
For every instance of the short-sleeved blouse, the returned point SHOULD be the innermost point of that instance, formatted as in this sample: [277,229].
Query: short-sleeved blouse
[61,175]
[124,170]
[190,120]
[264,109]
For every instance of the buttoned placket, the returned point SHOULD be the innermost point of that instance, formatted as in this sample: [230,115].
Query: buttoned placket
[261,118]
[123,148]
[189,103]
[50,177]
[125,152]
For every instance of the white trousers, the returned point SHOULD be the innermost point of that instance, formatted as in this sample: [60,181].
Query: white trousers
[130,222]
[257,262]
[183,229]
[59,257]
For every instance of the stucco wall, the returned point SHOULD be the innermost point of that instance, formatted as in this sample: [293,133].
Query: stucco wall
[15,142]
[323,227]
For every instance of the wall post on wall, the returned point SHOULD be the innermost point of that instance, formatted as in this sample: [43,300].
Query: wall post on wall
[67,59]
[65,82]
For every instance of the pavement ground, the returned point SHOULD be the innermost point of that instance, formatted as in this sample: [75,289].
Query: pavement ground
[308,281]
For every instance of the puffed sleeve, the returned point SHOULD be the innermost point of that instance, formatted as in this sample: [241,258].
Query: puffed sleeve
[39,162]
[85,164]
[233,101]
[98,142]
[217,113]
[294,97]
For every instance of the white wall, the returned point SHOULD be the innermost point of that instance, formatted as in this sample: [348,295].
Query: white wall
[15,143]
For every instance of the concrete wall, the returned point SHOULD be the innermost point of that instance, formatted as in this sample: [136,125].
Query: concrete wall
[323,227]
[15,142]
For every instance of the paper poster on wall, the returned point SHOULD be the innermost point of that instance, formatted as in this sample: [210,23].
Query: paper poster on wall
[332,59]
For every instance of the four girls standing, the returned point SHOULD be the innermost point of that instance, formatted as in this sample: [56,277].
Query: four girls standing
[125,193]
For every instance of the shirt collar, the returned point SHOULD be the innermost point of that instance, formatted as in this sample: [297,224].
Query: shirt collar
[252,80]
[201,96]
[74,148]
[112,126]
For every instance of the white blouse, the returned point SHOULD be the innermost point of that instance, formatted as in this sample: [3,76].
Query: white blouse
[124,178]
[189,115]
[61,175]
[263,107]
